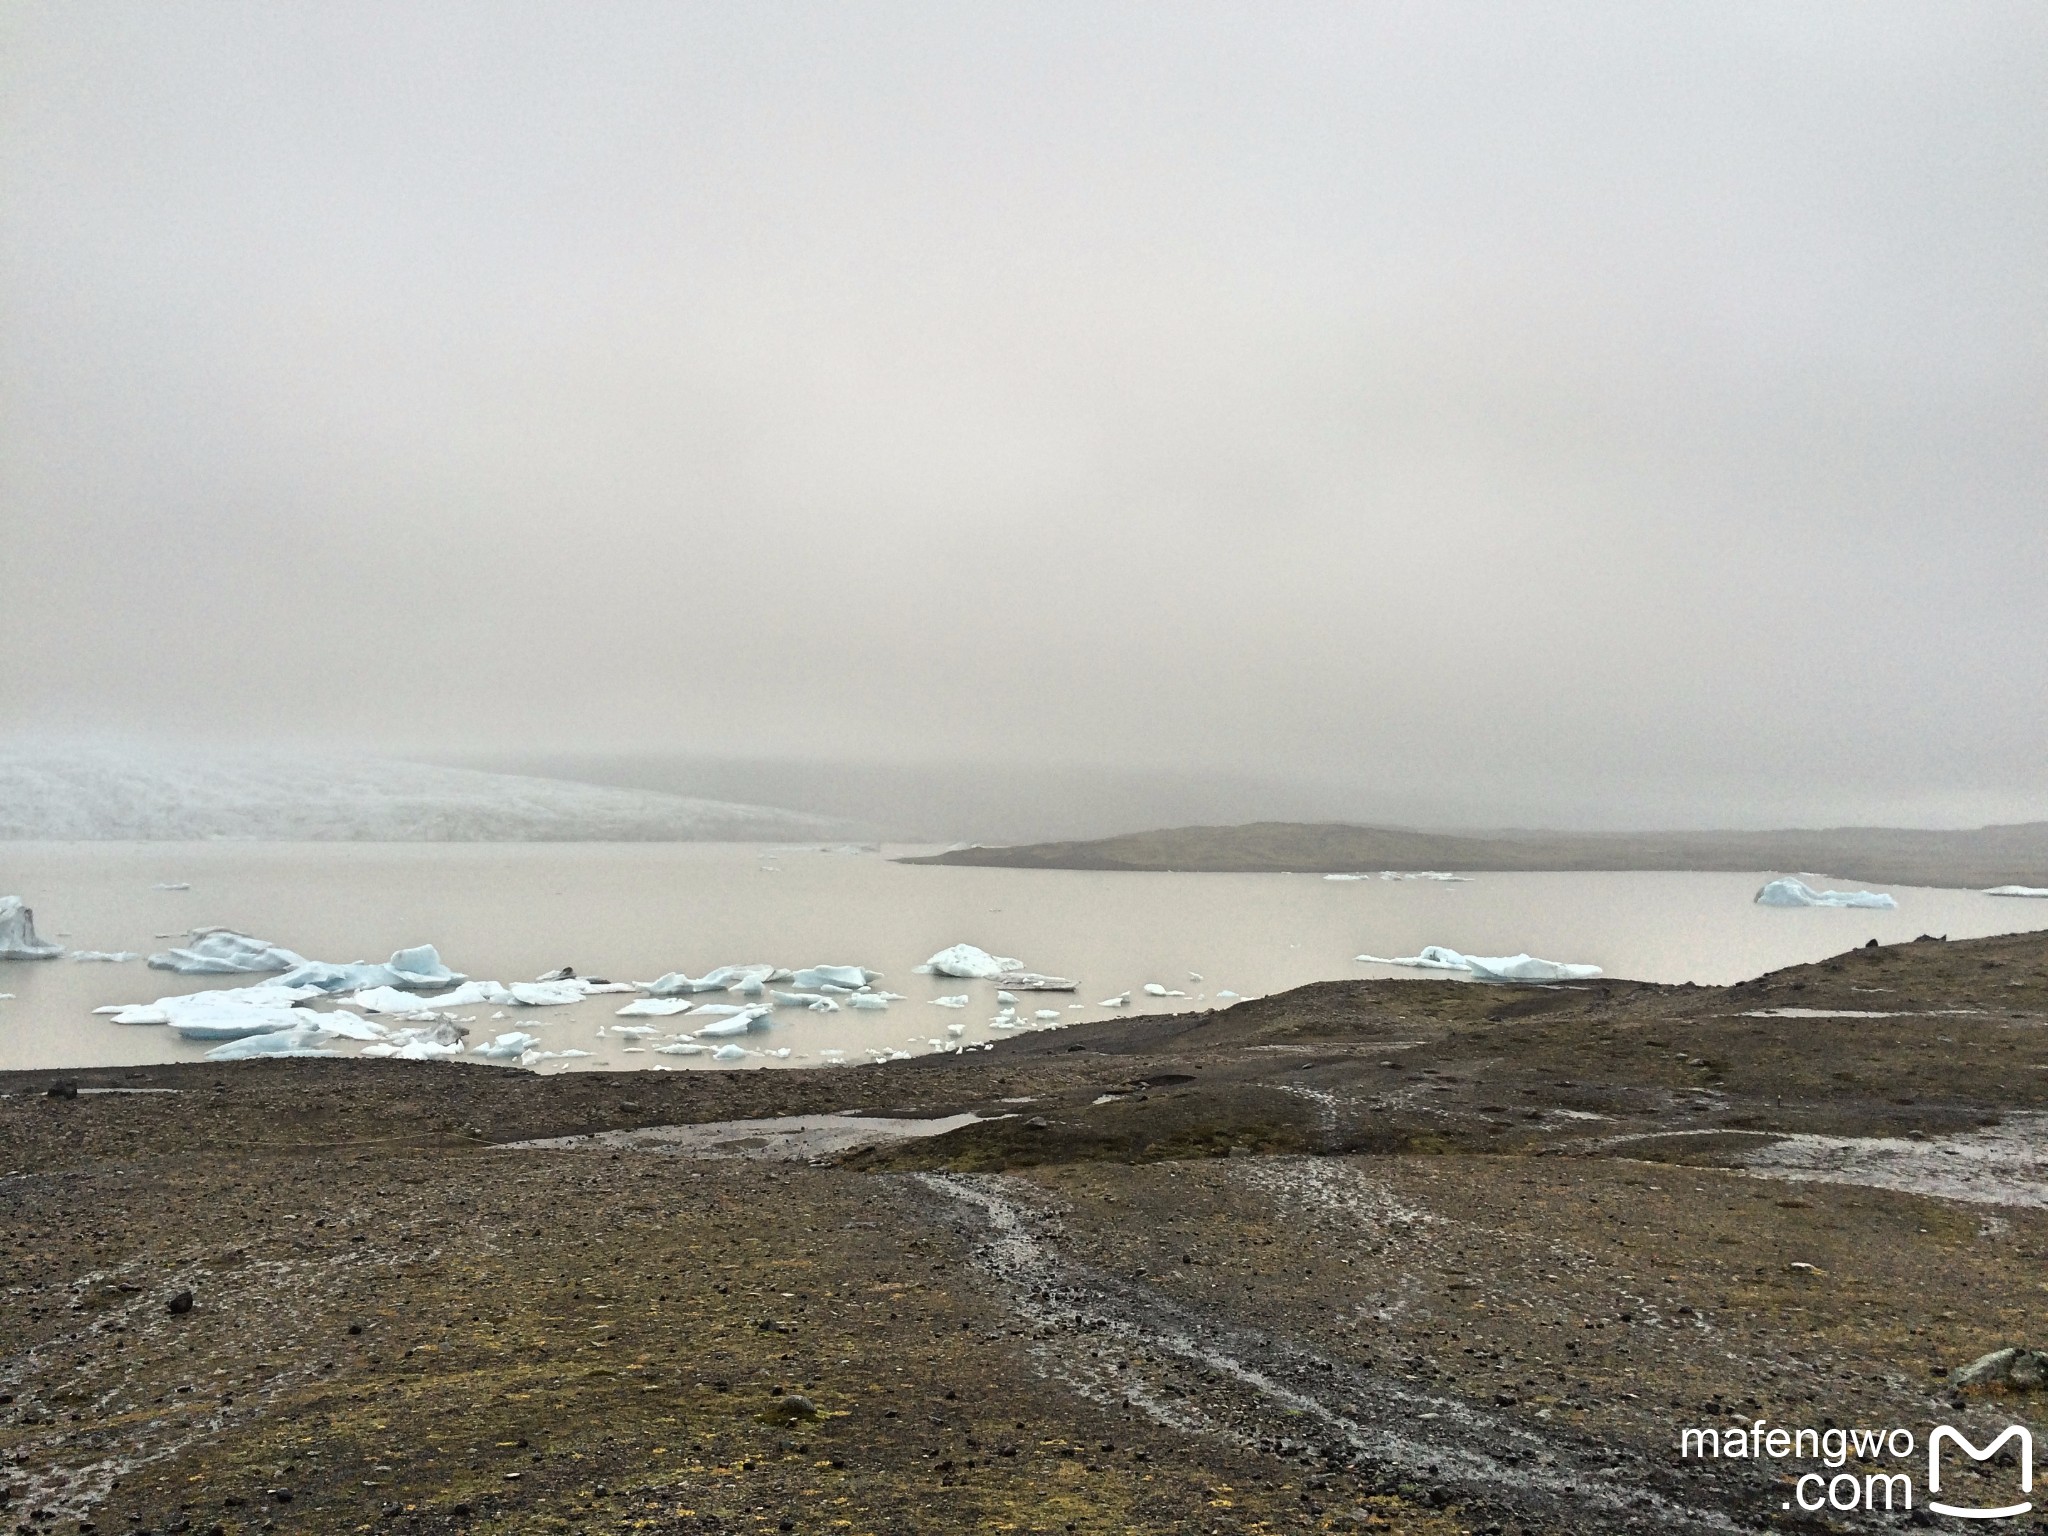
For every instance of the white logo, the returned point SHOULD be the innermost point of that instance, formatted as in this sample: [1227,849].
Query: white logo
[1944,1432]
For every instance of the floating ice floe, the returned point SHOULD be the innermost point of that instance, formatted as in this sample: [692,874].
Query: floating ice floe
[1227,996]
[634,1031]
[279,1042]
[172,885]
[387,1000]
[1154,989]
[110,956]
[1424,874]
[530,1057]
[224,952]
[849,976]
[18,940]
[722,979]
[655,1008]
[428,1044]
[509,1046]
[817,1002]
[730,1053]
[736,1024]
[546,994]
[2017,890]
[959,1001]
[225,1013]
[1047,1015]
[968,962]
[469,994]
[1495,968]
[1122,1000]
[681,1048]
[868,1000]
[1787,892]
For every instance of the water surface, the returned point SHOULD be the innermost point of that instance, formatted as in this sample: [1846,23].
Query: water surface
[634,910]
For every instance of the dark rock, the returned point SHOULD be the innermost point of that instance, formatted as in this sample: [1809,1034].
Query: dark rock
[179,1304]
[63,1090]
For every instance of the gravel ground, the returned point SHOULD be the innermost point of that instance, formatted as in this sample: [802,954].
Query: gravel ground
[1409,1256]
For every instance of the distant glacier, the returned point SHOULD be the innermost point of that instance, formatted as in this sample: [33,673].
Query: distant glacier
[104,794]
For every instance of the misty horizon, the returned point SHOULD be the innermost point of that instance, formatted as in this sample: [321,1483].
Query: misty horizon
[1595,417]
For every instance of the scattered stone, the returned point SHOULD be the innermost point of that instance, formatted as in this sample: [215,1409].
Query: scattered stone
[179,1304]
[2021,1369]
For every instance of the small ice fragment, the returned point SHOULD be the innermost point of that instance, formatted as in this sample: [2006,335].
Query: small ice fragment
[952,1002]
[507,1047]
[681,1048]
[1122,1001]
[817,1002]
[1046,1013]
[111,956]
[1226,996]
[1006,997]
[1787,892]
[531,1057]
[654,1008]
[867,1000]
[2017,890]
[172,885]
[1194,975]
[1153,989]
[729,1053]
[546,994]
[281,1042]
[635,1031]
[468,994]
[559,973]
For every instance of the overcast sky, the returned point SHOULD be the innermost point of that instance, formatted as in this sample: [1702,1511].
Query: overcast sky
[1611,414]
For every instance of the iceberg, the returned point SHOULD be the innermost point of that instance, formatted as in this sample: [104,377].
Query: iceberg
[969,963]
[224,952]
[817,1002]
[430,1044]
[729,1053]
[417,968]
[546,994]
[952,1002]
[1787,892]
[681,1048]
[111,956]
[469,994]
[1494,968]
[722,979]
[654,1008]
[851,977]
[387,1000]
[2017,890]
[719,1029]
[869,1001]
[531,1057]
[281,1042]
[225,1014]
[509,1046]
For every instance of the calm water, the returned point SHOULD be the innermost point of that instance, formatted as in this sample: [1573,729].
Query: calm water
[634,910]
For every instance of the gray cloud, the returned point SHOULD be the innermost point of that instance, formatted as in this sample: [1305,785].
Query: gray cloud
[1597,413]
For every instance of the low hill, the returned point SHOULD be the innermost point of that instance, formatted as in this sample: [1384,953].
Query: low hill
[2008,855]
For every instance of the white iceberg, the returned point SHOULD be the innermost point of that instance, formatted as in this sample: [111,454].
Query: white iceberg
[719,1029]
[2017,890]
[223,952]
[282,1042]
[546,994]
[1154,989]
[386,1000]
[681,1048]
[430,1044]
[952,1002]
[1047,1015]
[729,1053]
[225,1013]
[817,1002]
[110,956]
[1787,892]
[870,1001]
[531,1057]
[469,994]
[849,976]
[634,1031]
[719,980]
[417,969]
[654,1008]
[969,963]
[509,1046]
[1493,968]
